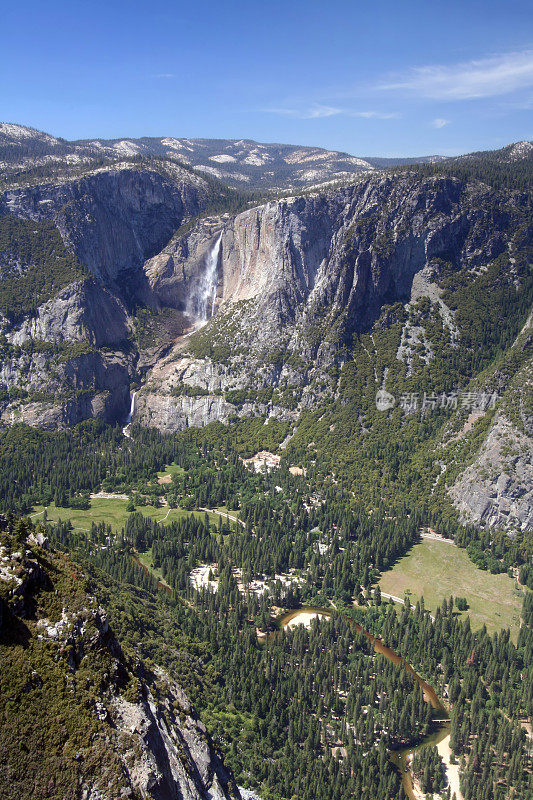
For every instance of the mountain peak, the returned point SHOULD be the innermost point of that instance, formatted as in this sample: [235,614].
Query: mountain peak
[520,150]
[15,131]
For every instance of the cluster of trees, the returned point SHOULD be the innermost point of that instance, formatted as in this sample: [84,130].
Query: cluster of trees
[496,551]
[34,463]
[525,575]
[37,465]
[35,265]
[428,767]
[492,167]
[489,682]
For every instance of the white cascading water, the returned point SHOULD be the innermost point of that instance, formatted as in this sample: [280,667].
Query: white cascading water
[126,428]
[201,303]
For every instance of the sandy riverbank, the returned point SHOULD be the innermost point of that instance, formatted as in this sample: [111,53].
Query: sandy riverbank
[304,618]
[452,770]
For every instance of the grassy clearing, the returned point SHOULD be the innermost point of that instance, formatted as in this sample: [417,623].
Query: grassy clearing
[171,469]
[113,512]
[146,559]
[436,570]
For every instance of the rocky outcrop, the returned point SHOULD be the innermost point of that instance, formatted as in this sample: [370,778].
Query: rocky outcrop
[57,390]
[171,753]
[177,413]
[83,311]
[116,217]
[171,414]
[497,489]
[125,731]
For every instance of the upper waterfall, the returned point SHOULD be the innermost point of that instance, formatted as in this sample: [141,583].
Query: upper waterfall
[201,303]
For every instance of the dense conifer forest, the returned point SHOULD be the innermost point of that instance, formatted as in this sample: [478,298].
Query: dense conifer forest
[323,692]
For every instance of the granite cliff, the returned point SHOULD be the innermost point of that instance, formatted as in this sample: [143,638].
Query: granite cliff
[298,278]
[73,356]
[496,489]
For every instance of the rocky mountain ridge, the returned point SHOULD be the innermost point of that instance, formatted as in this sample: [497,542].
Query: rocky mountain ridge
[242,163]
[112,220]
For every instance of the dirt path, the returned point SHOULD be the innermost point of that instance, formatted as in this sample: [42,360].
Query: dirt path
[393,597]
[437,538]
[223,514]
[388,596]
[108,496]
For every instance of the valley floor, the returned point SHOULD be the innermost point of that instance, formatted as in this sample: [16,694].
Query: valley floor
[435,570]
[112,511]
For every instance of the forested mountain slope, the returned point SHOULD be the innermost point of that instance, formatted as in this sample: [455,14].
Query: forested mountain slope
[308,712]
[79,716]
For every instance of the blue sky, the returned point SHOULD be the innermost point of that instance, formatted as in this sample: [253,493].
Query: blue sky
[372,78]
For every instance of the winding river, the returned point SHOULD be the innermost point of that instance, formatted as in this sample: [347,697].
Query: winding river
[441,724]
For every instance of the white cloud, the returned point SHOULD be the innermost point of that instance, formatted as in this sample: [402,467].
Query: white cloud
[485,77]
[165,75]
[373,114]
[439,122]
[318,111]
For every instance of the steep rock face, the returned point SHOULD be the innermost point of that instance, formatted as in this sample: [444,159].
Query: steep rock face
[354,248]
[279,248]
[297,277]
[83,311]
[171,414]
[174,414]
[56,391]
[174,757]
[172,274]
[114,218]
[496,490]
[137,727]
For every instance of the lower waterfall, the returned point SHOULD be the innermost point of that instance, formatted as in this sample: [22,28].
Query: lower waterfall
[125,429]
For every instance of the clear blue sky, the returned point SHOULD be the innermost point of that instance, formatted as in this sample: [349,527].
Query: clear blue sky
[371,78]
